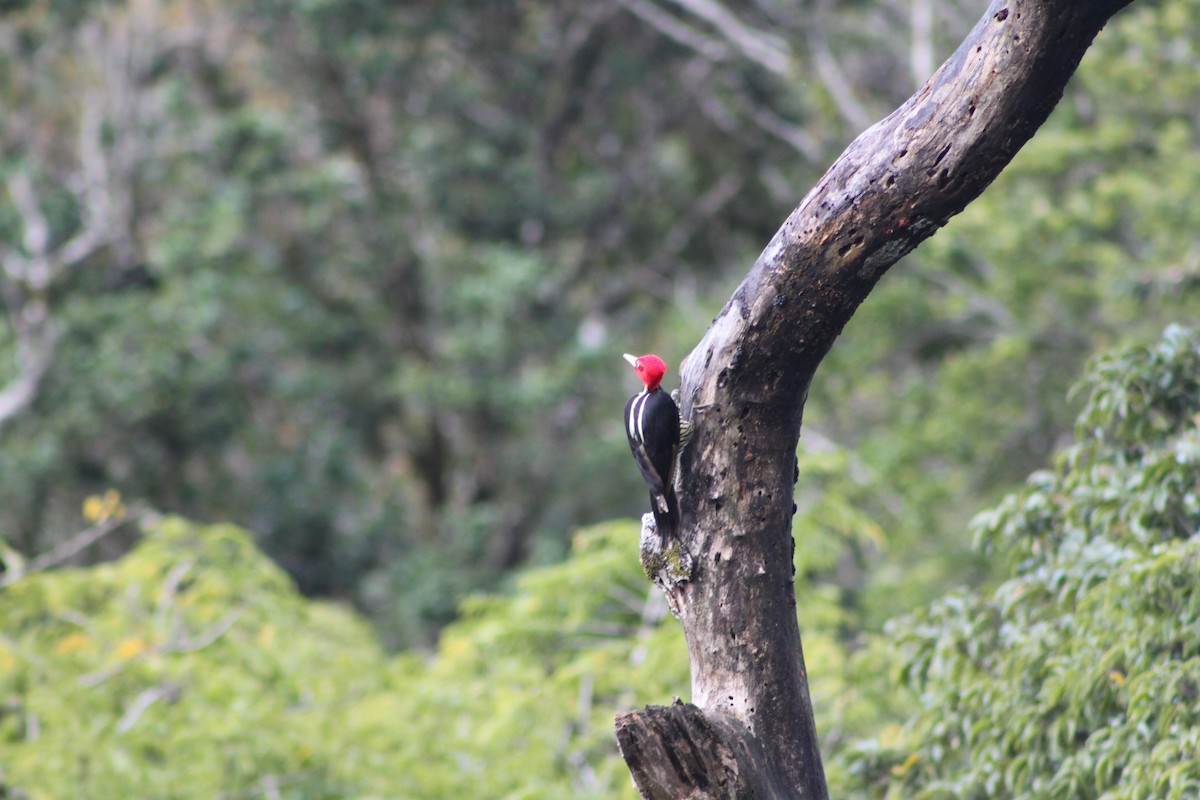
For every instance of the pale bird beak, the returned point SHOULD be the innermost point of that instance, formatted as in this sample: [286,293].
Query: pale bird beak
[631,359]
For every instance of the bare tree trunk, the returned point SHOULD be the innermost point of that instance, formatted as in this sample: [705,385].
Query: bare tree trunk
[749,732]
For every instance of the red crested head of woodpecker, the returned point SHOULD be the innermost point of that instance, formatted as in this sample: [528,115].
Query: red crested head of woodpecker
[650,368]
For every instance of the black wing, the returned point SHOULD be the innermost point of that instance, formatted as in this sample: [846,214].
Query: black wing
[652,421]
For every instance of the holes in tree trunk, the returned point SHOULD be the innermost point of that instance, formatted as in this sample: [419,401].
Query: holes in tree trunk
[846,248]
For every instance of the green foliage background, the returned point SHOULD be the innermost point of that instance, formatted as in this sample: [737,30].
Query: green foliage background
[363,278]
[192,668]
[1078,675]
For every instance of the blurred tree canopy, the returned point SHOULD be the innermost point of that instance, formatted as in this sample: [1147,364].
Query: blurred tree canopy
[348,272]
[357,275]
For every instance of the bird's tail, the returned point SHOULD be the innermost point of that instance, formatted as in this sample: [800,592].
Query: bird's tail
[666,512]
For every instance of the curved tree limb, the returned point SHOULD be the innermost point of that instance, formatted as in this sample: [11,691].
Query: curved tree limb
[745,384]
[27,273]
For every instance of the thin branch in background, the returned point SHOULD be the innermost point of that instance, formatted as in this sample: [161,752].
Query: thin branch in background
[167,691]
[790,134]
[769,51]
[36,237]
[269,787]
[706,46]
[100,676]
[698,218]
[215,631]
[30,274]
[920,57]
[34,355]
[33,727]
[77,544]
[839,86]
[165,615]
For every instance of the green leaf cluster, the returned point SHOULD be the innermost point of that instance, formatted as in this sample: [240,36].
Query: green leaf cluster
[519,699]
[1078,676]
[191,668]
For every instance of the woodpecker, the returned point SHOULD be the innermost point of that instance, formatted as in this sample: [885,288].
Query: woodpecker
[654,431]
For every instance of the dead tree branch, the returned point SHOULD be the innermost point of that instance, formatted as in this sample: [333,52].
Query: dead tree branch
[749,731]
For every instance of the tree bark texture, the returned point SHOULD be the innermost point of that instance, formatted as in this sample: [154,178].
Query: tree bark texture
[749,732]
